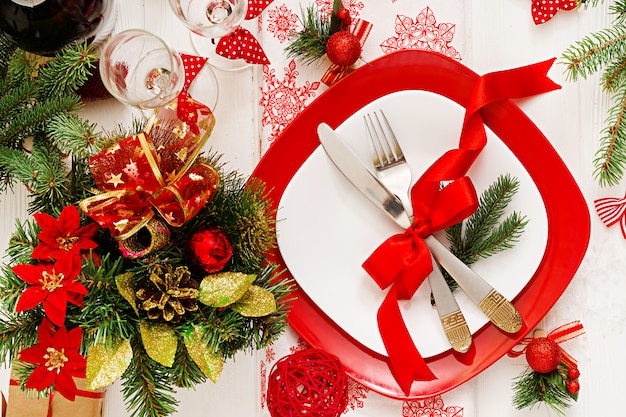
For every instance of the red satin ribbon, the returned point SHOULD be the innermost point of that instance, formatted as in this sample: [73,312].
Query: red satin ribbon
[559,335]
[403,261]
[79,392]
[361,29]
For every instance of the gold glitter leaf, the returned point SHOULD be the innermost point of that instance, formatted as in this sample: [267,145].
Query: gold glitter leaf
[106,364]
[160,342]
[210,363]
[224,288]
[126,289]
[256,302]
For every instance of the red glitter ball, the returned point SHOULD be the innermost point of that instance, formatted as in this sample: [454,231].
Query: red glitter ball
[543,355]
[343,48]
[210,249]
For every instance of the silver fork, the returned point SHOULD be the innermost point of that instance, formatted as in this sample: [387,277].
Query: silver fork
[394,172]
[494,305]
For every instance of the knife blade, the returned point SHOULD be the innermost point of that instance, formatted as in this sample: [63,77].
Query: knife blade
[494,305]
[452,320]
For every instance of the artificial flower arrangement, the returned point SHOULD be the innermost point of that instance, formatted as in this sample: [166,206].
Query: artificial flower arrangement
[144,259]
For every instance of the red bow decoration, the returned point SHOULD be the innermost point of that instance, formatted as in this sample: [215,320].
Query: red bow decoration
[359,28]
[240,43]
[403,261]
[544,10]
[151,171]
[612,210]
[559,335]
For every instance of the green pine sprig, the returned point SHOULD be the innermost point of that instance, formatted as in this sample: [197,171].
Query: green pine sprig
[533,388]
[605,51]
[485,233]
[309,44]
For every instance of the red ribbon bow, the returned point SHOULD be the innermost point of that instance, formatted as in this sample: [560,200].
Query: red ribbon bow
[612,210]
[403,261]
[544,10]
[240,43]
[150,171]
[359,28]
[559,335]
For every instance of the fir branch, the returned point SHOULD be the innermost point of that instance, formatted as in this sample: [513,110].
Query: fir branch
[484,234]
[610,159]
[184,372]
[32,122]
[595,51]
[106,318]
[51,183]
[68,72]
[532,388]
[309,44]
[146,390]
[71,134]
[18,333]
[6,50]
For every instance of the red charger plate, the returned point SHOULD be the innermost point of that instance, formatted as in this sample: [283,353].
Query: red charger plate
[567,214]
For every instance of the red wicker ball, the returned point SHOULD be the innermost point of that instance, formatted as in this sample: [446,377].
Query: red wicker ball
[309,382]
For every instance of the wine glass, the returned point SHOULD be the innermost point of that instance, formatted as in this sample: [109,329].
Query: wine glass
[208,21]
[138,68]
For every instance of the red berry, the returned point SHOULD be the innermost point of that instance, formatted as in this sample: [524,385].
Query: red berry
[344,15]
[543,355]
[573,387]
[573,373]
[343,48]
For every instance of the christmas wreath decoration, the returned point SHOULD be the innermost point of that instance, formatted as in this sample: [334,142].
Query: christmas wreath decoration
[144,259]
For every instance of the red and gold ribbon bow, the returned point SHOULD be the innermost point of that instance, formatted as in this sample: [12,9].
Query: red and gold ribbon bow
[559,335]
[359,28]
[403,261]
[240,43]
[153,171]
[612,210]
[544,10]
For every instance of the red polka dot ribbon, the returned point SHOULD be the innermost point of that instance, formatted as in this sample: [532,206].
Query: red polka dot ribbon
[544,10]
[612,210]
[240,43]
[188,108]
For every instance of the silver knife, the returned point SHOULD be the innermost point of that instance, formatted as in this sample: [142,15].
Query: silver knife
[452,319]
[494,305]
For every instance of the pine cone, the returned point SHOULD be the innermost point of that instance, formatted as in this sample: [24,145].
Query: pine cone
[168,293]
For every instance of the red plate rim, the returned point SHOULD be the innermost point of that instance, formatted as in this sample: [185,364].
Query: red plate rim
[567,214]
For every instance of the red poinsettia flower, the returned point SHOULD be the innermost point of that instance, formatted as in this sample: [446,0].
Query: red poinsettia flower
[53,284]
[57,358]
[63,235]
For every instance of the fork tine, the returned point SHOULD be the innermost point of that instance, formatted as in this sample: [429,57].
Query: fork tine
[378,154]
[390,137]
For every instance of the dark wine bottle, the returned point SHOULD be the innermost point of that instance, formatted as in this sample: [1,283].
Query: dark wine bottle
[45,26]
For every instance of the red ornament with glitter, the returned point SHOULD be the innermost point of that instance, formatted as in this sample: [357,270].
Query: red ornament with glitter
[343,48]
[210,249]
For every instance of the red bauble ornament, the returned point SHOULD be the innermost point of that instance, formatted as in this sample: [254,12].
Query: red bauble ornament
[310,382]
[343,48]
[573,387]
[210,249]
[543,355]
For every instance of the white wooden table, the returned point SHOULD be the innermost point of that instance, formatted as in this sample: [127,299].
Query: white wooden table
[494,35]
